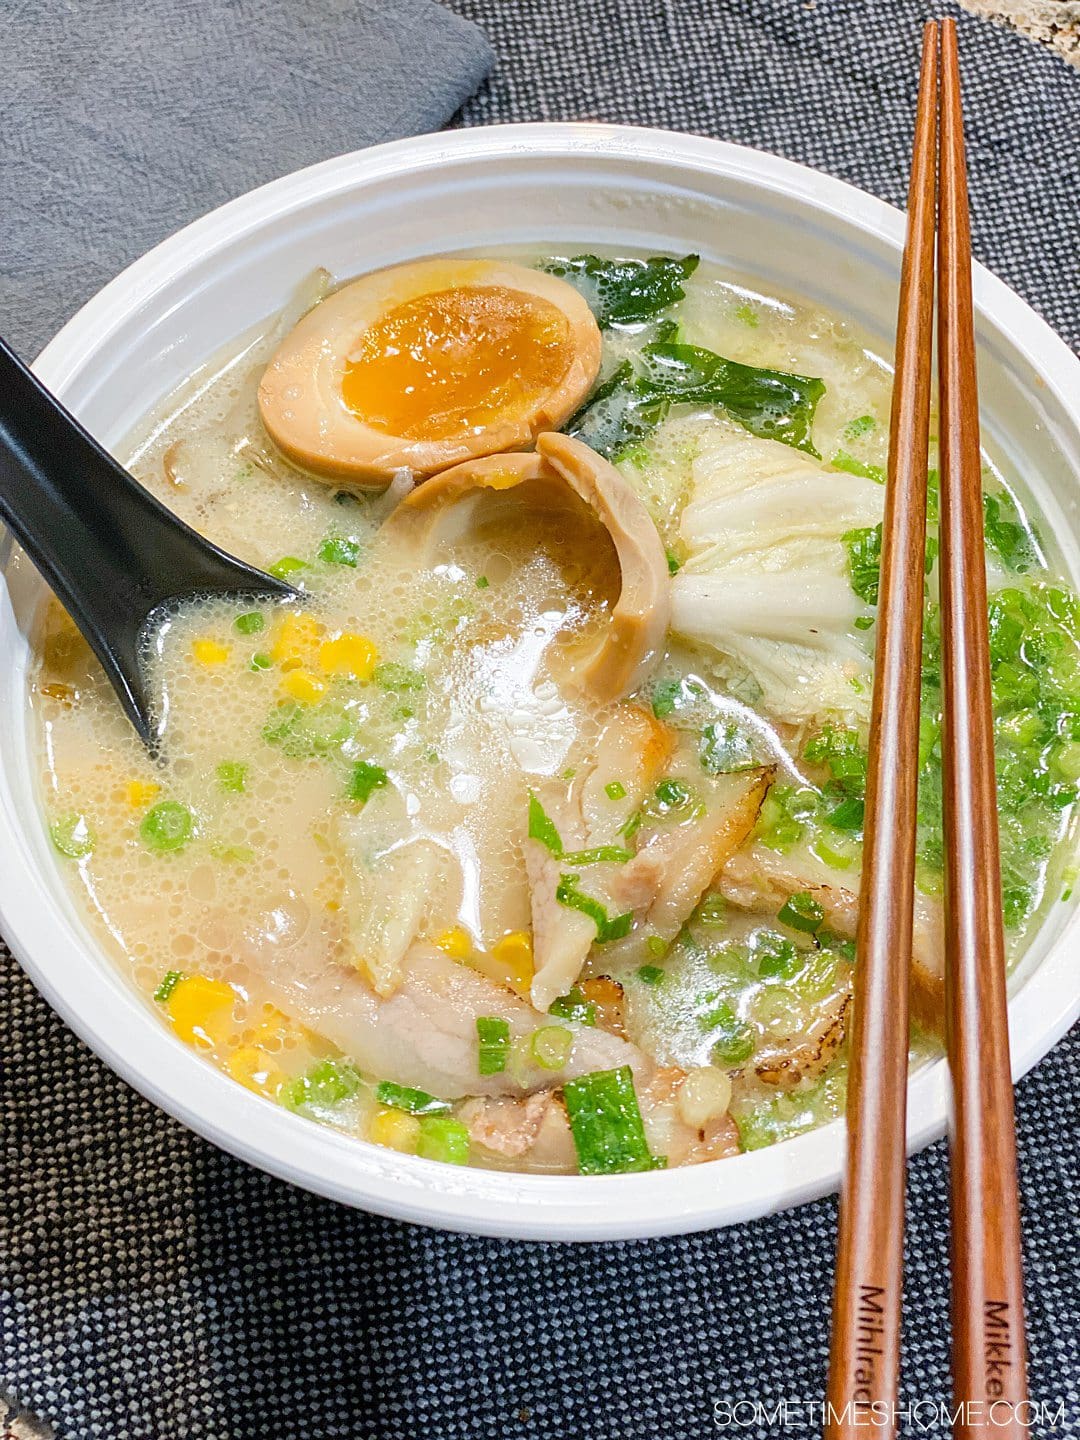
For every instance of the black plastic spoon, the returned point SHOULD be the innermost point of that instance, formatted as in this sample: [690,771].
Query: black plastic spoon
[113,554]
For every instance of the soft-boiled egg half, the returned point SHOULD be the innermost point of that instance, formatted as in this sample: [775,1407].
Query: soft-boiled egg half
[427,365]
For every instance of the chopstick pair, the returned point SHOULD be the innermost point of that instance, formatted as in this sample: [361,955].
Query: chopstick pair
[988,1350]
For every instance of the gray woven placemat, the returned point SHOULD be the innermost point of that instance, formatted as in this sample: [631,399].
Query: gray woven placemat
[156,1289]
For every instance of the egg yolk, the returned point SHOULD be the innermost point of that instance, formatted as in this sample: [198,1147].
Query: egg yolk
[453,362]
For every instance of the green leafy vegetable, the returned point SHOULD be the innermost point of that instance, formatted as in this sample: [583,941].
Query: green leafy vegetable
[864,562]
[168,984]
[493,1035]
[605,1121]
[626,292]
[365,779]
[542,827]
[774,404]
[286,566]
[617,415]
[167,827]
[650,974]
[608,928]
[404,1097]
[861,425]
[1009,539]
[339,550]
[72,836]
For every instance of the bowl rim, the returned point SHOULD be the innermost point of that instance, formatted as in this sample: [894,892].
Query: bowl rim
[101,1006]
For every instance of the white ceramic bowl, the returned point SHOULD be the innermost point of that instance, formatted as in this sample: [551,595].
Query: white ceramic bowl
[163,317]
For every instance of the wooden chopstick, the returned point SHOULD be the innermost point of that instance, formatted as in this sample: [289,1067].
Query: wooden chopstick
[865,1347]
[989,1363]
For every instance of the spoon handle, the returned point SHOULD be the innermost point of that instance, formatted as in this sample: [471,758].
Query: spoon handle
[111,552]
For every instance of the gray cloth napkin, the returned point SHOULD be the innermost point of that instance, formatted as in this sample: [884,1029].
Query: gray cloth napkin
[121,120]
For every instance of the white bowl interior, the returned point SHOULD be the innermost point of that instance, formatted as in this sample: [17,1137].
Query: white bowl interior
[794,230]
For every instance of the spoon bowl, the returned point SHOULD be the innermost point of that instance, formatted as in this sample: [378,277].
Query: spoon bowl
[111,552]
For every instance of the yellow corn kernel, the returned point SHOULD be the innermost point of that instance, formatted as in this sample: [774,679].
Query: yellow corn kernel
[303,686]
[210,652]
[396,1130]
[201,1010]
[348,654]
[139,793]
[515,953]
[255,1069]
[296,642]
[456,943]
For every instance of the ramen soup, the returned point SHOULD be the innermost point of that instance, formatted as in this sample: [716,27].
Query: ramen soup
[528,835]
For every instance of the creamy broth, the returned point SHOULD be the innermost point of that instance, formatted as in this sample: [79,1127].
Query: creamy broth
[382,752]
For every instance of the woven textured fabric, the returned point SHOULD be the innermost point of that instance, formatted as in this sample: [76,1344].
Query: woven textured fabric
[157,1289]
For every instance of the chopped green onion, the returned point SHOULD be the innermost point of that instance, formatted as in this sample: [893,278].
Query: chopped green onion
[339,550]
[656,945]
[614,854]
[250,623]
[393,676]
[404,1097]
[286,566]
[712,911]
[493,1034]
[843,461]
[650,974]
[608,928]
[778,958]
[327,1083]
[169,982]
[615,790]
[233,854]
[365,779]
[605,1121]
[848,815]
[550,1046]
[862,425]
[72,836]
[724,749]
[482,582]
[168,826]
[802,912]
[443,1138]
[665,697]
[574,1006]
[261,661]
[734,1041]
[747,315]
[542,827]
[232,776]
[674,564]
